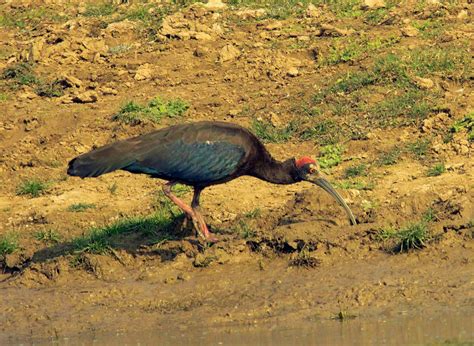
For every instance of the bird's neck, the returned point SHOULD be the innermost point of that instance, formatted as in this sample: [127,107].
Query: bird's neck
[277,172]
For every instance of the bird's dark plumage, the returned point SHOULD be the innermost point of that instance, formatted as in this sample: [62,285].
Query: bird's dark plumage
[197,154]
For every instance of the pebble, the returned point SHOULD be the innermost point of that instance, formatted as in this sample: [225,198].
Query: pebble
[409,31]
[292,72]
[373,4]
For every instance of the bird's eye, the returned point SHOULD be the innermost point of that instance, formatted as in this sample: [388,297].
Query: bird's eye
[312,170]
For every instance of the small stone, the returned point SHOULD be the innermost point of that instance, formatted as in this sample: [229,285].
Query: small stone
[303,38]
[409,31]
[88,96]
[275,120]
[331,30]
[228,53]
[462,14]
[248,13]
[273,26]
[202,36]
[373,4]
[215,5]
[36,49]
[312,11]
[70,81]
[108,91]
[27,95]
[292,72]
[143,72]
[200,52]
[424,83]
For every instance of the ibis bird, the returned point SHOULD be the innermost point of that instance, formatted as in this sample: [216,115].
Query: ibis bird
[199,154]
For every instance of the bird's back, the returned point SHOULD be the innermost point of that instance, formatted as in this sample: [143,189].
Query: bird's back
[198,154]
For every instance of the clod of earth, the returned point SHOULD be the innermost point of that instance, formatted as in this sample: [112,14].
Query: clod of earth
[200,155]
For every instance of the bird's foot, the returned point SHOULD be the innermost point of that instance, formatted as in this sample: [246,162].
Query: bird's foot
[202,230]
[210,237]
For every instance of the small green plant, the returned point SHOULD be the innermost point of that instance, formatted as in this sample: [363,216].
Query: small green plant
[410,106]
[101,240]
[355,171]
[32,17]
[413,236]
[324,132]
[429,215]
[430,28]
[133,113]
[8,244]
[245,230]
[436,170]
[343,315]
[342,51]
[3,97]
[113,188]
[119,49]
[48,236]
[304,258]
[419,148]
[49,89]
[254,213]
[356,184]
[271,134]
[367,206]
[465,124]
[389,157]
[452,62]
[330,156]
[100,10]
[21,74]
[79,207]
[32,188]
[376,16]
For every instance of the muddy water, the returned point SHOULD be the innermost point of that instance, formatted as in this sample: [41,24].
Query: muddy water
[449,327]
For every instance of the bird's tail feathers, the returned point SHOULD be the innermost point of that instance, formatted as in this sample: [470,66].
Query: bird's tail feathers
[102,160]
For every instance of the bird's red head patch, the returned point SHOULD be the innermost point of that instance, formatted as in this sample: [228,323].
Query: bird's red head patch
[303,161]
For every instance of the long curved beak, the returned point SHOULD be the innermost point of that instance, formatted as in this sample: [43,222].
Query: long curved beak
[326,186]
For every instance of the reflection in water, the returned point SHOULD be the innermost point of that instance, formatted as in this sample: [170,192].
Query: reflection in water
[403,330]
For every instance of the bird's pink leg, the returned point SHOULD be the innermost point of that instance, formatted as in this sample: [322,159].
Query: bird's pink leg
[196,209]
[192,212]
[181,204]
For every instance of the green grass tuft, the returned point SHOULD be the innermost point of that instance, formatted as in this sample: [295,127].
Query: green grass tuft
[419,148]
[389,157]
[271,134]
[355,171]
[356,184]
[342,316]
[48,236]
[324,132]
[21,74]
[436,170]
[79,207]
[133,113]
[245,230]
[413,236]
[330,156]
[412,106]
[101,240]
[465,124]
[100,10]
[32,188]
[8,244]
[49,89]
